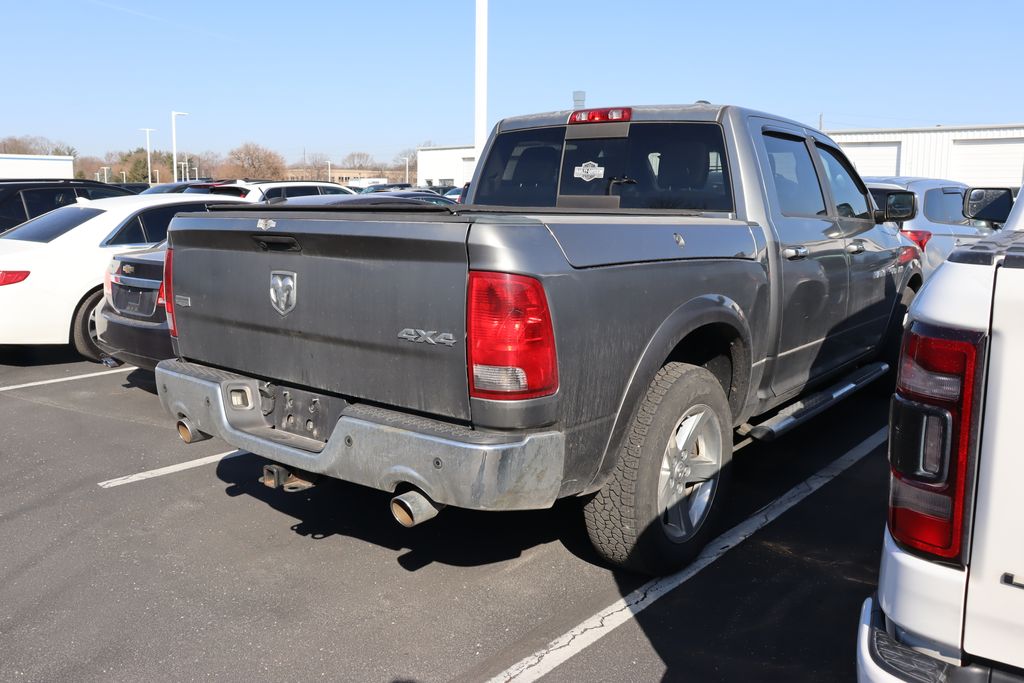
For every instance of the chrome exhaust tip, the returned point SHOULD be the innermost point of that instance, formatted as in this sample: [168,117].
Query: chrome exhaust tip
[111,362]
[188,432]
[412,508]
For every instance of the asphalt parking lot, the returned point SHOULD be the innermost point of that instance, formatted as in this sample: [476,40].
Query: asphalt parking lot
[200,572]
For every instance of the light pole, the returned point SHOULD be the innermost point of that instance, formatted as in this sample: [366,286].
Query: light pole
[149,156]
[406,170]
[328,170]
[158,176]
[105,169]
[480,80]
[124,177]
[174,141]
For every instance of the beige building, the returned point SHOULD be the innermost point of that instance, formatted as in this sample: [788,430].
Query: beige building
[338,175]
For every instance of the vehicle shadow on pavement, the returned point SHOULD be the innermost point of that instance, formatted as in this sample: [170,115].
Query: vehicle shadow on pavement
[783,605]
[141,379]
[27,356]
[456,537]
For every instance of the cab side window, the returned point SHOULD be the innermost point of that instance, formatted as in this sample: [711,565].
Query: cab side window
[796,182]
[848,193]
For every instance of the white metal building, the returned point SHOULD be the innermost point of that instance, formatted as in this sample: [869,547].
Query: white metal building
[14,166]
[445,165]
[975,155]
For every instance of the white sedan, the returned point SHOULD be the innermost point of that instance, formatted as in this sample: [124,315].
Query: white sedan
[52,267]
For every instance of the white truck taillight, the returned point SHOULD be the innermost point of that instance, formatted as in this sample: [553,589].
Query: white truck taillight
[931,439]
[511,344]
[167,287]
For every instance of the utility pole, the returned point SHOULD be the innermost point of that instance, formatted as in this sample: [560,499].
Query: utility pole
[328,170]
[149,156]
[174,142]
[480,80]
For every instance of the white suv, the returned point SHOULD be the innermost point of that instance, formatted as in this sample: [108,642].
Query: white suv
[270,190]
[950,601]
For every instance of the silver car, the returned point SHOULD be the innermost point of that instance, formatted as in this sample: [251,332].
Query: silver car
[939,225]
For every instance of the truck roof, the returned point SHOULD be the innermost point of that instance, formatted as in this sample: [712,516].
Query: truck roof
[1006,248]
[648,112]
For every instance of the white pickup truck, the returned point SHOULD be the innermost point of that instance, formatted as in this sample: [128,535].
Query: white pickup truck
[950,600]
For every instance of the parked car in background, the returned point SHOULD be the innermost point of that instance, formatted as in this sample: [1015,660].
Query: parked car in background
[131,326]
[137,188]
[455,194]
[272,190]
[940,225]
[950,600]
[21,200]
[388,187]
[442,189]
[51,267]
[164,188]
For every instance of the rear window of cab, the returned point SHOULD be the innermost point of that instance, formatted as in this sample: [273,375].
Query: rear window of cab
[674,166]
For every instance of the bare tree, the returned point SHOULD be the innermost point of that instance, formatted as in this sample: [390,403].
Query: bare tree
[256,161]
[359,160]
[316,164]
[34,144]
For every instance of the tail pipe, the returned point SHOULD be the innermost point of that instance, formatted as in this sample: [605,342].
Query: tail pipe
[412,508]
[188,432]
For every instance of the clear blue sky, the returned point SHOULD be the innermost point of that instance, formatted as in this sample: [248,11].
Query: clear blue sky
[374,76]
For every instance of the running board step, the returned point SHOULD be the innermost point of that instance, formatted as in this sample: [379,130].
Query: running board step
[806,408]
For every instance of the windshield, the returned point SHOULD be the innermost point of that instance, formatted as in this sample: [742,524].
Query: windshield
[52,225]
[678,166]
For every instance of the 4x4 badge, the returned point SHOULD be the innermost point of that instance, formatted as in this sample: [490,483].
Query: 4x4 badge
[432,337]
[284,289]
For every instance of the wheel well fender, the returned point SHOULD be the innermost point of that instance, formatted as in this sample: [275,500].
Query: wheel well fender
[74,310]
[711,331]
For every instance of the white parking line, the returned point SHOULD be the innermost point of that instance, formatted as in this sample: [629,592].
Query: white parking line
[127,368]
[587,633]
[170,469]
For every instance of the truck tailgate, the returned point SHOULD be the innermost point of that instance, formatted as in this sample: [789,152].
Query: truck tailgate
[994,614]
[369,306]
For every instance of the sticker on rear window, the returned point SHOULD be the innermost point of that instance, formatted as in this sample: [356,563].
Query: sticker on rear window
[587,171]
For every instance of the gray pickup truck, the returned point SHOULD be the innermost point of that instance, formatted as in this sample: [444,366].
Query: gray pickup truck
[625,295]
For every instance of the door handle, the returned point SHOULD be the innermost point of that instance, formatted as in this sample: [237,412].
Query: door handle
[795,253]
[855,248]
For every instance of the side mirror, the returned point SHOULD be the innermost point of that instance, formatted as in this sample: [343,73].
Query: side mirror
[991,204]
[899,206]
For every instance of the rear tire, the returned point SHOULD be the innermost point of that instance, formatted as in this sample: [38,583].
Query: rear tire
[83,327]
[662,504]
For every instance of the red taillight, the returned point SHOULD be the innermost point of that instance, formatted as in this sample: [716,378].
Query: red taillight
[160,299]
[930,440]
[601,115]
[918,237]
[511,345]
[10,277]
[167,290]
